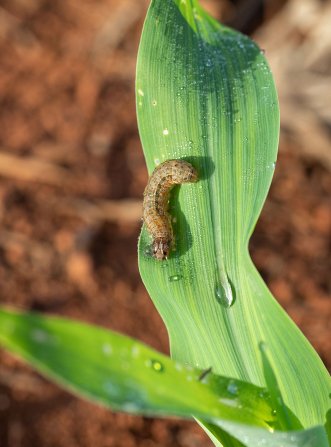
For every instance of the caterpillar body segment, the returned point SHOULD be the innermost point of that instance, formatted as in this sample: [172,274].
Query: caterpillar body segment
[156,198]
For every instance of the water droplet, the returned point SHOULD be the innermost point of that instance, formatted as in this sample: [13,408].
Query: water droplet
[271,166]
[130,407]
[107,349]
[157,161]
[40,336]
[140,92]
[232,388]
[273,412]
[111,389]
[165,132]
[148,251]
[156,365]
[175,278]
[178,366]
[135,351]
[224,295]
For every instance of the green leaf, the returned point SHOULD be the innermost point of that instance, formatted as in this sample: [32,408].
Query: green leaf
[205,94]
[255,437]
[125,375]
[285,421]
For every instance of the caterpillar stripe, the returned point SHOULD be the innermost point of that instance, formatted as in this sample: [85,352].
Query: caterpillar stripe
[156,198]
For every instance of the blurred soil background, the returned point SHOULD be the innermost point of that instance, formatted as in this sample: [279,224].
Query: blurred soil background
[72,174]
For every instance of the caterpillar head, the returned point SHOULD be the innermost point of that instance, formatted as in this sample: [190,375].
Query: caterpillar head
[184,172]
[161,248]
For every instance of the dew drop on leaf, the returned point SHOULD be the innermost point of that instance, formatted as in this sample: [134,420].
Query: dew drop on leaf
[111,389]
[178,366]
[175,278]
[224,295]
[107,349]
[135,351]
[232,388]
[39,336]
[131,407]
[43,337]
[148,251]
[157,366]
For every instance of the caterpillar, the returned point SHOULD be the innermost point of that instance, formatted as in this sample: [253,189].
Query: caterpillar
[155,204]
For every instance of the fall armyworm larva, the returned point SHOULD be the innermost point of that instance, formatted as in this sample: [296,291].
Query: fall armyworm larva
[156,198]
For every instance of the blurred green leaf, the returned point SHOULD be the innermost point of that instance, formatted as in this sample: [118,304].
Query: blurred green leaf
[125,375]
